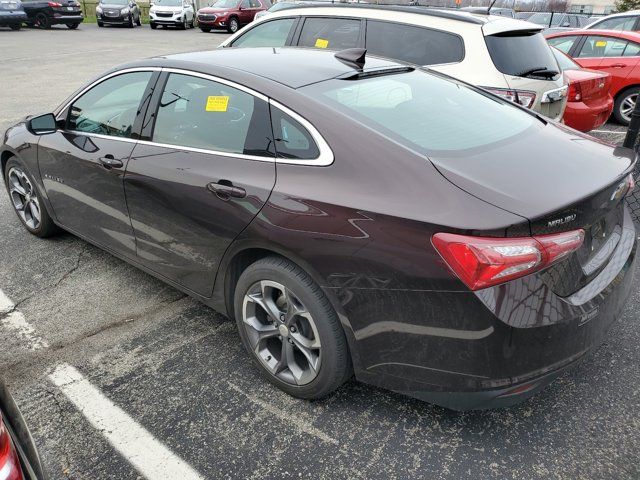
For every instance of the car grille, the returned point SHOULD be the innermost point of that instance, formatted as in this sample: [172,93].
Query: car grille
[111,13]
[164,14]
[207,18]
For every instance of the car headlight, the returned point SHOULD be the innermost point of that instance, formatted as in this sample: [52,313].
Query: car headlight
[124,11]
[98,9]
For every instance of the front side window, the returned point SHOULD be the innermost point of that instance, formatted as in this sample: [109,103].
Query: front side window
[254,4]
[425,112]
[333,33]
[420,46]
[109,108]
[563,44]
[623,24]
[273,33]
[293,141]
[596,46]
[200,113]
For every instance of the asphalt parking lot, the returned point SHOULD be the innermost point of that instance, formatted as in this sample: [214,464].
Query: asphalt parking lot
[103,358]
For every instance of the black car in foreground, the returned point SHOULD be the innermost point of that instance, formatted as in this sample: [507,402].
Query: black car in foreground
[44,14]
[118,12]
[19,458]
[12,14]
[353,214]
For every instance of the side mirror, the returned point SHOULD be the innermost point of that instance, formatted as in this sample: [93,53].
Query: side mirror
[42,125]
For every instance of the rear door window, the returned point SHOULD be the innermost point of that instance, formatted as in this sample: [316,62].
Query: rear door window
[597,46]
[268,34]
[421,46]
[333,33]
[564,44]
[506,50]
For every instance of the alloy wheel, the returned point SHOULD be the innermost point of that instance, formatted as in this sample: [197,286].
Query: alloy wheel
[233,25]
[627,106]
[24,198]
[281,332]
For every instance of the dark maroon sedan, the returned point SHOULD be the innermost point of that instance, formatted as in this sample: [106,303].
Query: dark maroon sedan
[230,15]
[354,215]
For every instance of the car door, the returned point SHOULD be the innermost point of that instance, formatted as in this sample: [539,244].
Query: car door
[616,56]
[254,7]
[199,176]
[83,163]
[244,12]
[335,33]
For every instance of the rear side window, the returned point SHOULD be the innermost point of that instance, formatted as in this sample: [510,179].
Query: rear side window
[506,51]
[200,113]
[617,23]
[596,46]
[563,44]
[334,33]
[267,34]
[407,43]
[292,139]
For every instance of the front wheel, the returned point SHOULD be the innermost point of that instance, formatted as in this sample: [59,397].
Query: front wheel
[205,29]
[100,24]
[290,329]
[624,105]
[233,25]
[153,25]
[16,26]
[72,26]
[26,201]
[138,21]
[130,22]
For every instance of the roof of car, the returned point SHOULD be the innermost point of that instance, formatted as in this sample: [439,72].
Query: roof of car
[634,36]
[293,67]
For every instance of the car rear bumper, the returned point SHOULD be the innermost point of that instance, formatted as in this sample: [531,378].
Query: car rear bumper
[586,117]
[484,349]
[64,19]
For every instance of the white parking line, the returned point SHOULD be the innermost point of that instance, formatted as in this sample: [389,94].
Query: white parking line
[15,321]
[619,132]
[148,455]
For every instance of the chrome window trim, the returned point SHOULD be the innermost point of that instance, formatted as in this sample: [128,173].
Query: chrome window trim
[209,152]
[326,154]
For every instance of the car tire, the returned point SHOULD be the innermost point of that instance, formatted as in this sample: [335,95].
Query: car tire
[42,21]
[317,328]
[623,105]
[15,172]
[153,25]
[184,24]
[234,25]
[130,23]
[100,24]
[15,26]
[138,21]
[205,29]
[72,26]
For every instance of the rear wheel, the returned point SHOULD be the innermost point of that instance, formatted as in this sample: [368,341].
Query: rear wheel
[205,29]
[16,26]
[72,26]
[233,25]
[624,105]
[26,201]
[290,329]
[42,21]
[138,21]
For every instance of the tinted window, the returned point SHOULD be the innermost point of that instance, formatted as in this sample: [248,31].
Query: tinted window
[563,44]
[334,33]
[267,34]
[596,46]
[109,108]
[254,3]
[292,139]
[507,53]
[200,113]
[616,23]
[413,44]
[632,50]
[425,112]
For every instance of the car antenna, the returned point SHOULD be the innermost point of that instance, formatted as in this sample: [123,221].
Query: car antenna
[490,7]
[354,57]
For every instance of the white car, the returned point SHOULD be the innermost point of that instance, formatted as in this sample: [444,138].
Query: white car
[508,57]
[176,13]
[625,21]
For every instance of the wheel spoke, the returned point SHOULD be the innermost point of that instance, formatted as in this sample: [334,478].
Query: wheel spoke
[35,212]
[311,355]
[17,188]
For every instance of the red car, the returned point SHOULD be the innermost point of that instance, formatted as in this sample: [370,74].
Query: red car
[614,52]
[589,103]
[230,14]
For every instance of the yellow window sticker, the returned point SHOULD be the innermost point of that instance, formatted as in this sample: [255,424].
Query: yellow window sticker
[217,103]
[322,43]
[601,43]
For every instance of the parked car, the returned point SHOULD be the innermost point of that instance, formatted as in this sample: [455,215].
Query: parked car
[502,12]
[283,4]
[19,458]
[230,14]
[614,52]
[627,22]
[118,12]
[558,22]
[589,102]
[353,214]
[523,15]
[481,49]
[44,13]
[172,13]
[12,14]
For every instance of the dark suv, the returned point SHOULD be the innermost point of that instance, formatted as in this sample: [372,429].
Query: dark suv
[12,14]
[118,12]
[44,13]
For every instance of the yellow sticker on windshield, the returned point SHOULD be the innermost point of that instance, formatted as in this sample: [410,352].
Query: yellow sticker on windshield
[322,43]
[217,104]
[601,43]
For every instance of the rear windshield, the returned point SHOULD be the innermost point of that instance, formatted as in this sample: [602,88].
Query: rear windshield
[424,111]
[507,53]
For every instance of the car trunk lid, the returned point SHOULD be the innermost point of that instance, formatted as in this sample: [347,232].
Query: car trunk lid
[589,84]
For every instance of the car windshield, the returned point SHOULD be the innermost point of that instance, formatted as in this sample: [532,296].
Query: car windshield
[565,62]
[225,3]
[425,112]
[544,19]
[169,3]
[506,52]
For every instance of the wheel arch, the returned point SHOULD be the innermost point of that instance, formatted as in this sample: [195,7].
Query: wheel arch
[623,90]
[4,159]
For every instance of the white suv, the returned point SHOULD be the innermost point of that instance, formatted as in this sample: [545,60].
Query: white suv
[177,13]
[508,57]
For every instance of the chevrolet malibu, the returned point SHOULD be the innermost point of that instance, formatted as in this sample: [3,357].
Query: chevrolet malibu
[353,214]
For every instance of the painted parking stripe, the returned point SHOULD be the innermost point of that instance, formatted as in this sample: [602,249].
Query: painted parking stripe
[15,321]
[147,454]
[619,132]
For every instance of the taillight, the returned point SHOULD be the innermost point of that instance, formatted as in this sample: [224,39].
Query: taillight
[482,262]
[521,97]
[9,463]
[54,4]
[575,92]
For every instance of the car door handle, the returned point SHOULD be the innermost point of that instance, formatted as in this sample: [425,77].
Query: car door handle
[109,162]
[224,190]
[616,65]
